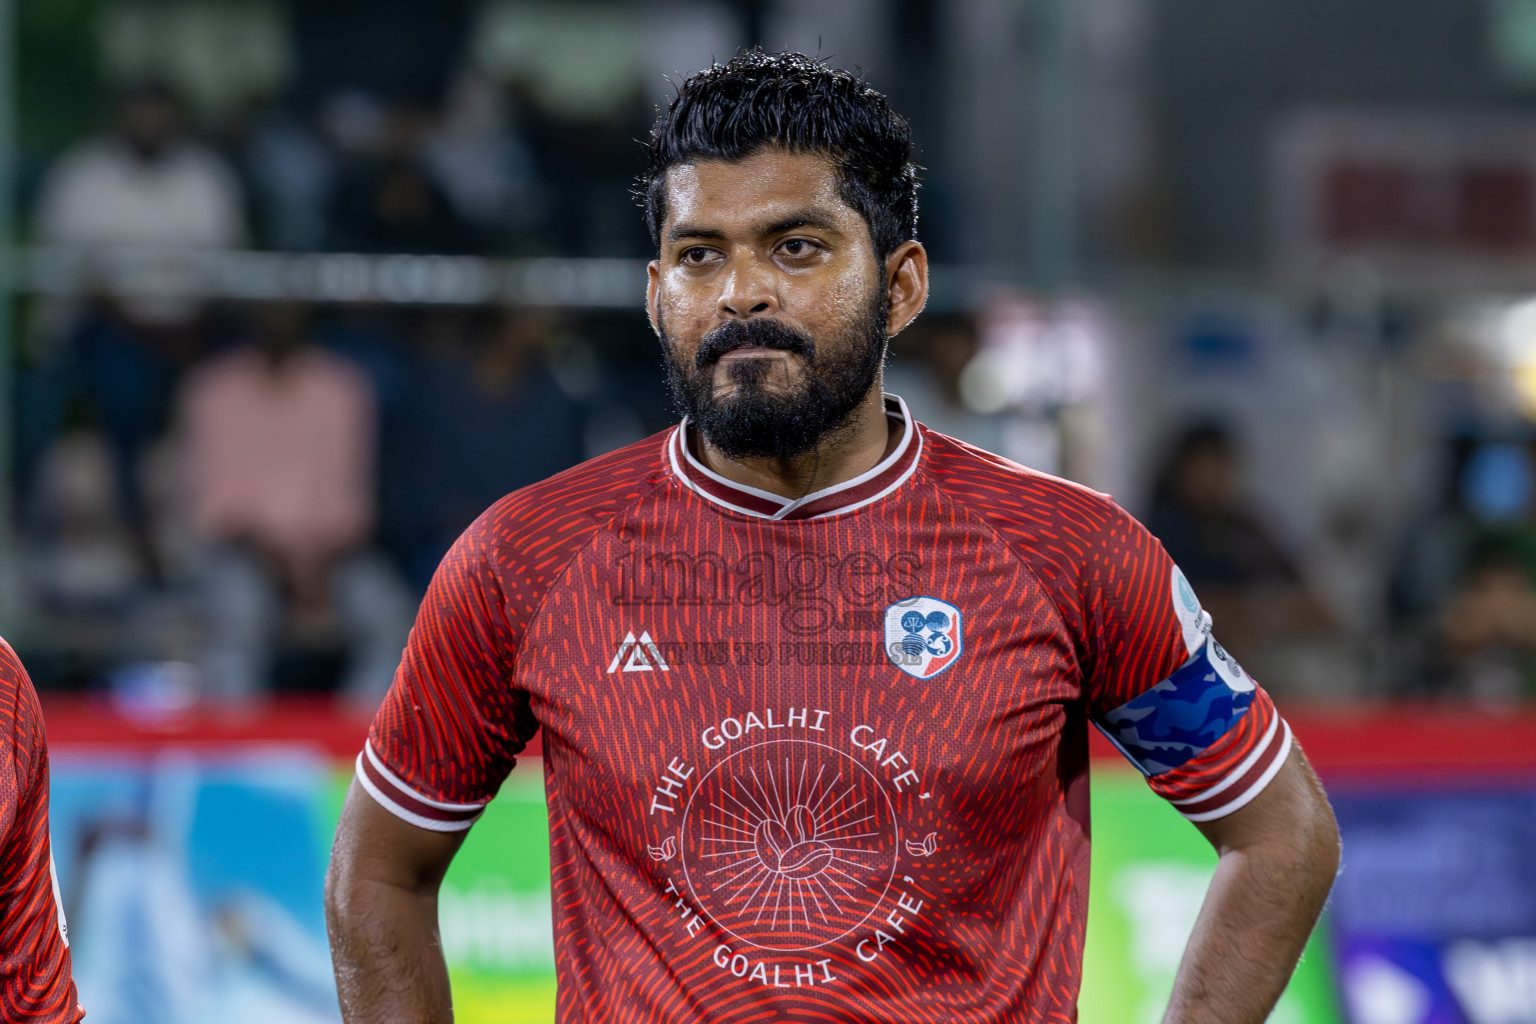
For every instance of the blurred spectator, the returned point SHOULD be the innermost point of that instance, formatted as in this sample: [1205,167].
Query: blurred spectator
[1483,484]
[88,606]
[586,162]
[482,162]
[1467,581]
[80,559]
[1244,578]
[387,199]
[145,184]
[288,171]
[281,441]
[1489,626]
[487,413]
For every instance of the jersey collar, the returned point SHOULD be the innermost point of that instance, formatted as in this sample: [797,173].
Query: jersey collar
[864,489]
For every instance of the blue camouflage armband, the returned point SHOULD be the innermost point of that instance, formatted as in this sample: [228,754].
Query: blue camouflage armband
[1180,717]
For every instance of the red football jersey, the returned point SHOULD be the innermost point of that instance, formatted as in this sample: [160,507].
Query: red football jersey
[822,759]
[36,986]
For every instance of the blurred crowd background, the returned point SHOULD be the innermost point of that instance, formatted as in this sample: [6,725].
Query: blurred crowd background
[303,287]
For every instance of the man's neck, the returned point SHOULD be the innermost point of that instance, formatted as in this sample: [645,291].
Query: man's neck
[864,440]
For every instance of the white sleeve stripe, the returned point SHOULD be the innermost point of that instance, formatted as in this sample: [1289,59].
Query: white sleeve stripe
[402,813]
[58,901]
[395,780]
[1236,773]
[1241,801]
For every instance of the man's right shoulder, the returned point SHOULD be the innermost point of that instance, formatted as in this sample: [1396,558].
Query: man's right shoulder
[567,508]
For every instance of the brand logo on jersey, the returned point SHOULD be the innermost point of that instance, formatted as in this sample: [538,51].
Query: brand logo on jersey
[922,636]
[638,655]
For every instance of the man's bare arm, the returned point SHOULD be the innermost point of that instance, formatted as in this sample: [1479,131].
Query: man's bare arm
[381,913]
[1278,859]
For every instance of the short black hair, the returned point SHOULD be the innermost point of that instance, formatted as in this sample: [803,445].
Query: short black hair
[758,99]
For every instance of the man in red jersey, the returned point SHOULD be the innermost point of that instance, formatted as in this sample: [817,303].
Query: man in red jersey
[36,986]
[814,681]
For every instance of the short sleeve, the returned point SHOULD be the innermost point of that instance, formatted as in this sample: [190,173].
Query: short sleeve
[35,970]
[1160,687]
[452,724]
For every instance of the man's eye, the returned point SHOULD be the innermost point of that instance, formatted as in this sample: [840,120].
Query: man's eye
[798,247]
[696,255]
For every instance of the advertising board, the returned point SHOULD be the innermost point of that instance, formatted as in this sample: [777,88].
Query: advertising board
[192,861]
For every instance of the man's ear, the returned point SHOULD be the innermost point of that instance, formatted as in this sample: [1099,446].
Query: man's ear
[652,287]
[906,284]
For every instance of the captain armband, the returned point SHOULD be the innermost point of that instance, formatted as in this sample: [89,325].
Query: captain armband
[1182,716]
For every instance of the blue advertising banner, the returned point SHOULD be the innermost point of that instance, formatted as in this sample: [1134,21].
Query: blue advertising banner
[1434,913]
[192,886]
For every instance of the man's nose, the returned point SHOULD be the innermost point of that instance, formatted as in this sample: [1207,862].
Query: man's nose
[748,292]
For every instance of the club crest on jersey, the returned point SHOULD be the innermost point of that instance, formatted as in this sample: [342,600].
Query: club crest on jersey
[638,655]
[922,636]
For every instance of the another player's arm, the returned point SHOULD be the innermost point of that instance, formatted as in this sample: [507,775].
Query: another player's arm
[1278,858]
[381,912]
[35,967]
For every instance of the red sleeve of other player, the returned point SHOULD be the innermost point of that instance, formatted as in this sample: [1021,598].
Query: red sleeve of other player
[36,986]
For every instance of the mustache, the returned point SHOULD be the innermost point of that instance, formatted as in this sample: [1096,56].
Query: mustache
[758,332]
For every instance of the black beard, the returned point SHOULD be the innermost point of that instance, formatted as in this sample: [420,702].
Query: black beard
[756,423]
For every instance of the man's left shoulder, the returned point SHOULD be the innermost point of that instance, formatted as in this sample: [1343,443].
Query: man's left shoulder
[1013,495]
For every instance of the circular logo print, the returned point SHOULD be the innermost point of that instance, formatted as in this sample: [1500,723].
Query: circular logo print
[788,844]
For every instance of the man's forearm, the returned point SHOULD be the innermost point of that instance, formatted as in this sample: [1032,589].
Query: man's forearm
[1260,910]
[387,953]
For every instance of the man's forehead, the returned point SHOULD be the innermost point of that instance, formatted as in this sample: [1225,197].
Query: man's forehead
[756,193]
